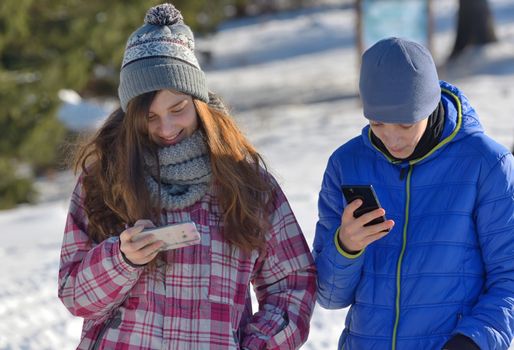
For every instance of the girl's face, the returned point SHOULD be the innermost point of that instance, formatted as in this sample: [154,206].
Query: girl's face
[399,139]
[171,118]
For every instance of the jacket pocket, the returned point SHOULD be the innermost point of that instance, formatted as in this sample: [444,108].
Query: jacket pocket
[113,322]
[230,271]
[223,279]
[137,296]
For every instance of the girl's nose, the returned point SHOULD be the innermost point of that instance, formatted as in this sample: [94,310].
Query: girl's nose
[167,126]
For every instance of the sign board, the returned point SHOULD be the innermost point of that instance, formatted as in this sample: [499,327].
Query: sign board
[380,19]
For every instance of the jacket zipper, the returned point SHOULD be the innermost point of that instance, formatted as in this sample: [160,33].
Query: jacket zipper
[400,258]
[402,176]
[403,173]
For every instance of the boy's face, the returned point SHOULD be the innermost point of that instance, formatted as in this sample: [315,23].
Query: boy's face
[399,139]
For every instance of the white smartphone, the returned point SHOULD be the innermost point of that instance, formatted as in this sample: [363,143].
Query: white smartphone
[175,236]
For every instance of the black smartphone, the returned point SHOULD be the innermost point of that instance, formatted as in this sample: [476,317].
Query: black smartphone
[369,198]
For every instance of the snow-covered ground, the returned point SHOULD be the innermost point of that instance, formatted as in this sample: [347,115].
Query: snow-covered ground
[291,81]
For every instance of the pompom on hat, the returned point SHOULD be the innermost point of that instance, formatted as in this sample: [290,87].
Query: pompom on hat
[398,82]
[160,55]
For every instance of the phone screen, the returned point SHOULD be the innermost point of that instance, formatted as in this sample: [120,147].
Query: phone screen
[370,202]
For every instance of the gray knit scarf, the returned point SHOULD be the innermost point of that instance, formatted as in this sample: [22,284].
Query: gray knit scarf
[185,173]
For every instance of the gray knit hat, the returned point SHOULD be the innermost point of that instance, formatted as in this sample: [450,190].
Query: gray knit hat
[160,55]
[398,82]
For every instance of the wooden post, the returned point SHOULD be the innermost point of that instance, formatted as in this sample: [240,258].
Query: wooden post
[359,29]
[359,41]
[430,24]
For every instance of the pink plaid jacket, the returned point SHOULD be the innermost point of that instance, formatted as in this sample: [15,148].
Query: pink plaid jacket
[196,297]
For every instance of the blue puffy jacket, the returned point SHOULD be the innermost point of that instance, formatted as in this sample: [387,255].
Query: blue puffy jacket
[447,266]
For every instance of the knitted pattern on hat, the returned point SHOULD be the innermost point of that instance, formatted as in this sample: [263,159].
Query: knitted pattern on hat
[161,41]
[185,172]
[217,103]
[160,55]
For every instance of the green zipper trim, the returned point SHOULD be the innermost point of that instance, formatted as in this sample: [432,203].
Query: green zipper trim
[400,259]
[407,205]
[440,144]
[391,160]
[452,135]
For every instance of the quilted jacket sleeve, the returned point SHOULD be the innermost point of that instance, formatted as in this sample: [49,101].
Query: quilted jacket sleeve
[491,323]
[93,279]
[338,272]
[284,284]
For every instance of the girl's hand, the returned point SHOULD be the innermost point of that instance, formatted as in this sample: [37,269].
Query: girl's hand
[139,251]
[353,235]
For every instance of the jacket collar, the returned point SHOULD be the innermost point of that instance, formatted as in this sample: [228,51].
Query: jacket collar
[460,121]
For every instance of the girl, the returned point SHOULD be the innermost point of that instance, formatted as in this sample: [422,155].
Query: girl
[172,154]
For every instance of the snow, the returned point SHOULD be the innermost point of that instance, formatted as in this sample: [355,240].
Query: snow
[292,83]
[78,114]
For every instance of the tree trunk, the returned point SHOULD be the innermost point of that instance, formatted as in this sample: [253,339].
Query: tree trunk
[475,25]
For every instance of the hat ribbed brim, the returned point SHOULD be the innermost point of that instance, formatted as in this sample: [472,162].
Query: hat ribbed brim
[160,73]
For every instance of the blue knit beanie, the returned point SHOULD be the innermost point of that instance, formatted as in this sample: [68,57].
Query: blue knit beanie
[160,55]
[398,82]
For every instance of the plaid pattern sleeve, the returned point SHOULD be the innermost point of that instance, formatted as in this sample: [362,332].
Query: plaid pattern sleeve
[285,286]
[93,279]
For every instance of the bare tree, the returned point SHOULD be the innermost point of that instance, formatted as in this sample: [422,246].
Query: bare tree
[475,25]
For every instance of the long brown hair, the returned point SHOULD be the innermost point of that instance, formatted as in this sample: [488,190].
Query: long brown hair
[113,175]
